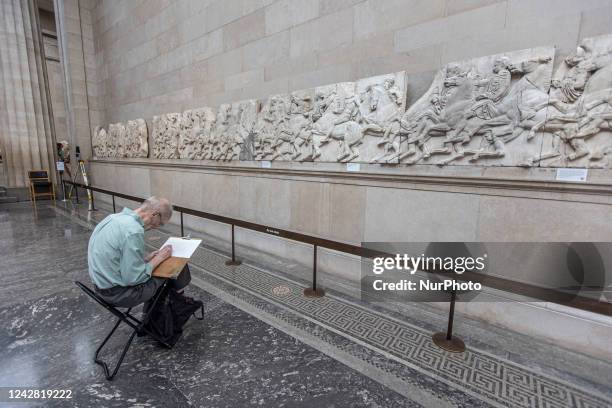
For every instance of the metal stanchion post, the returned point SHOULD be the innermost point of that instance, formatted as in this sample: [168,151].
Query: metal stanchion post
[314,291]
[92,207]
[114,209]
[182,228]
[61,179]
[446,340]
[233,261]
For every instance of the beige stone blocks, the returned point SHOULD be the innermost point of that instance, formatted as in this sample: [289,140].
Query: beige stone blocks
[479,21]
[244,30]
[404,215]
[372,16]
[459,6]
[524,10]
[269,50]
[284,14]
[322,34]
[595,22]
[244,79]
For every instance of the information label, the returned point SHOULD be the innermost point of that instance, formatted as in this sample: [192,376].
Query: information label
[266,164]
[572,175]
[59,165]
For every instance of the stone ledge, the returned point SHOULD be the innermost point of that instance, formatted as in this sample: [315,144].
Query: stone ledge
[535,183]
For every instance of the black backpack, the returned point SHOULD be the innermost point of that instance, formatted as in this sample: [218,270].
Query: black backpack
[170,314]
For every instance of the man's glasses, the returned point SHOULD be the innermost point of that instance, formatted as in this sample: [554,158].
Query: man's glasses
[161,223]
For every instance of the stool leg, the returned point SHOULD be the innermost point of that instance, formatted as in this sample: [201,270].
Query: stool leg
[104,366]
[125,349]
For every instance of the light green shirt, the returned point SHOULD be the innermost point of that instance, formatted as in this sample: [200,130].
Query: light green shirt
[116,251]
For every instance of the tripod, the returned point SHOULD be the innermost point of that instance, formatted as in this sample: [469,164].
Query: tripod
[85,181]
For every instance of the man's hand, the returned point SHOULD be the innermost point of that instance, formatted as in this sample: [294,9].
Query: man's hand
[165,252]
[161,256]
[151,255]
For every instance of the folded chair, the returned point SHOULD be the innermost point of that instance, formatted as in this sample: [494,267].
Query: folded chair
[137,325]
[40,185]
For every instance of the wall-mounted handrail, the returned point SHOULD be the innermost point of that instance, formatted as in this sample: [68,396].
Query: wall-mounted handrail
[506,285]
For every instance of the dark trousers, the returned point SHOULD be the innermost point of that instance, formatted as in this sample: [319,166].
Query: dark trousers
[130,296]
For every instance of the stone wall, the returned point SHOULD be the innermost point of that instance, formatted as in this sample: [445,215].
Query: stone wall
[158,57]
[164,56]
[74,23]
[26,139]
[56,87]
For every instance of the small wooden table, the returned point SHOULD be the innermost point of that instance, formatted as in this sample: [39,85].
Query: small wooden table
[170,268]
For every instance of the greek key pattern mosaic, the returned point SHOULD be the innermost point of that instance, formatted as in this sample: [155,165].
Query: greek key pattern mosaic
[486,377]
[498,380]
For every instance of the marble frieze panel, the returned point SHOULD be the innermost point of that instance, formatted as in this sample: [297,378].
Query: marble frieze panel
[121,140]
[381,103]
[116,131]
[137,139]
[510,109]
[359,121]
[231,137]
[578,121]
[195,131]
[267,142]
[166,135]
[344,122]
[480,111]
[335,131]
[99,143]
[284,129]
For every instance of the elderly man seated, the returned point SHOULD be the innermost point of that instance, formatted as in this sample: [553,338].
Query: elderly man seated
[118,266]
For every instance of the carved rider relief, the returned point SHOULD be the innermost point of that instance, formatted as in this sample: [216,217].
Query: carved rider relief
[578,120]
[241,138]
[475,109]
[115,144]
[382,101]
[291,138]
[196,125]
[500,110]
[267,127]
[99,143]
[336,132]
[166,134]
[137,143]
[359,121]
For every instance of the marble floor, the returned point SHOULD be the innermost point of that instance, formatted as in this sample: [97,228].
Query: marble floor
[257,346]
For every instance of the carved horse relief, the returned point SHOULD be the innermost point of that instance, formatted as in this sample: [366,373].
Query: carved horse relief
[381,104]
[578,112]
[337,130]
[166,135]
[499,110]
[137,143]
[475,107]
[270,120]
[241,132]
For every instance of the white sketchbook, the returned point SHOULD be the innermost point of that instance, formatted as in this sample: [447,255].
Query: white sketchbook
[182,248]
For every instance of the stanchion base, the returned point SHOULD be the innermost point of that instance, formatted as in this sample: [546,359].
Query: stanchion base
[454,345]
[233,263]
[314,293]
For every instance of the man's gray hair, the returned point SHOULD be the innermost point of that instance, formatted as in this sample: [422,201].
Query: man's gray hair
[159,205]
